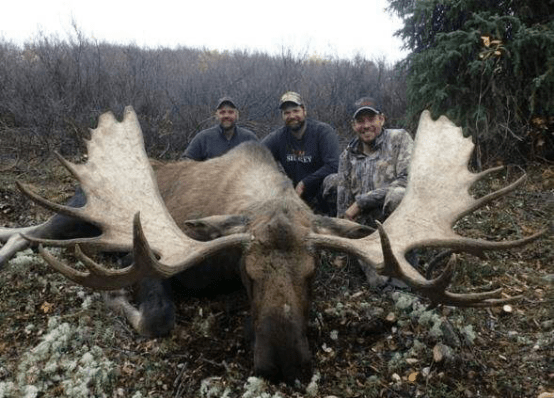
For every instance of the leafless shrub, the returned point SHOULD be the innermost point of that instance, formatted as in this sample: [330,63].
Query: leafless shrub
[54,90]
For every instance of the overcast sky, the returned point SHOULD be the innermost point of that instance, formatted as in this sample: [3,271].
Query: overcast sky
[334,28]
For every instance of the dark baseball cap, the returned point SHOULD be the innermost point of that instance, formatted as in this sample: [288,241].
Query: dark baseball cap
[366,104]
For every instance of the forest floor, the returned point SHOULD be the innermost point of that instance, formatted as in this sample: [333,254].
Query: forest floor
[59,339]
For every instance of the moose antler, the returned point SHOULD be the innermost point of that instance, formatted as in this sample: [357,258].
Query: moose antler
[119,183]
[436,197]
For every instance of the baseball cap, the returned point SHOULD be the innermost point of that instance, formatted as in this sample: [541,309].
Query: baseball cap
[366,104]
[290,97]
[225,101]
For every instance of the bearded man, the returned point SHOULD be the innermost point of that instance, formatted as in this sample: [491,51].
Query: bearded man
[308,150]
[219,139]
[373,169]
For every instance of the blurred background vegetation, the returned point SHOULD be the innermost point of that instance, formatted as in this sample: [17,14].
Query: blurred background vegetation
[486,64]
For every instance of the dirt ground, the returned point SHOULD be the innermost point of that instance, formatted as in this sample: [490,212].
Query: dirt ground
[59,339]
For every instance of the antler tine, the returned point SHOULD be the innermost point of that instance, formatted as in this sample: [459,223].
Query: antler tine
[97,277]
[142,251]
[63,243]
[70,166]
[101,278]
[478,203]
[13,245]
[435,289]
[52,206]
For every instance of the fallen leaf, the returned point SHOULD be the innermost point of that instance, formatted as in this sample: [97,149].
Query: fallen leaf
[413,376]
[46,307]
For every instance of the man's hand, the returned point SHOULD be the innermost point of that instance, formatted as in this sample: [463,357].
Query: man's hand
[300,188]
[352,212]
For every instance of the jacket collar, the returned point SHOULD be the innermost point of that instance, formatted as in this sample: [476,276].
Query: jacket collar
[222,133]
[355,146]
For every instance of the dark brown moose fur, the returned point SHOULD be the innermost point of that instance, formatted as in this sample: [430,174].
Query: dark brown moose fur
[277,267]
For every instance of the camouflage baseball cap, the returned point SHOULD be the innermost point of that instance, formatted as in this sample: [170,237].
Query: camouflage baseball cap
[290,97]
[225,101]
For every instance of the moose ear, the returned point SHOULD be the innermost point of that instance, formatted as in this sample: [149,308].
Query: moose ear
[340,227]
[212,227]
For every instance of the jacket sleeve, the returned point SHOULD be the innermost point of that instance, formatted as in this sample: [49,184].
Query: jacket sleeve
[271,141]
[328,146]
[194,149]
[373,199]
[344,191]
[403,159]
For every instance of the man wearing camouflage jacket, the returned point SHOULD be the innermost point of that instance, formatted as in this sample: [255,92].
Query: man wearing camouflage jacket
[373,169]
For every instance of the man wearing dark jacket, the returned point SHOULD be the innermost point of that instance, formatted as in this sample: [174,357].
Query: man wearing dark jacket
[219,139]
[307,149]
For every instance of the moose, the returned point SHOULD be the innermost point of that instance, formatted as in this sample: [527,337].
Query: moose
[241,210]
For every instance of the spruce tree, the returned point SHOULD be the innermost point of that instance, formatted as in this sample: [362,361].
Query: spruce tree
[486,64]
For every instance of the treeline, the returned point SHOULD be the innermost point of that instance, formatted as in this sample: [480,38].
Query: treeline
[52,91]
[489,69]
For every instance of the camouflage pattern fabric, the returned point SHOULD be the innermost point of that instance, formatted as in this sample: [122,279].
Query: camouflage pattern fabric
[377,181]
